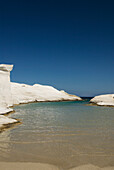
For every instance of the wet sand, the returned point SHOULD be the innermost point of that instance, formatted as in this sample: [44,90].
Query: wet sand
[26,166]
[39,166]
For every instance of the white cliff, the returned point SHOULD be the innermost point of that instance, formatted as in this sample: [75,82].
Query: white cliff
[5,94]
[104,100]
[23,93]
[5,88]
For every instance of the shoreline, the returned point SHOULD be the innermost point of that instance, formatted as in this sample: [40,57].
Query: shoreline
[9,125]
[17,121]
[5,126]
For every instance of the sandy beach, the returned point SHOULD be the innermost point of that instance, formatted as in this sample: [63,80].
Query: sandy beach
[39,166]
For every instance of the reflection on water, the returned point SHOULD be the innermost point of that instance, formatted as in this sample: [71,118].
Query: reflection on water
[66,134]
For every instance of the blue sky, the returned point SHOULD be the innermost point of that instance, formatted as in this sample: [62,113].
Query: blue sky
[66,44]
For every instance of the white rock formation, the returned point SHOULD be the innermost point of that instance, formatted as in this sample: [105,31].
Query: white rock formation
[5,88]
[5,120]
[104,100]
[23,93]
[5,94]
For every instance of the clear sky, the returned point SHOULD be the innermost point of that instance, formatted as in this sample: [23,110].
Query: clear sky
[68,44]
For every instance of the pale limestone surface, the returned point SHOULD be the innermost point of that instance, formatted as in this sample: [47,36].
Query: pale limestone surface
[104,100]
[5,94]
[5,120]
[5,88]
[23,93]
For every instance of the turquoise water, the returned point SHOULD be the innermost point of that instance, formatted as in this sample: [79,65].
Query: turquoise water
[66,134]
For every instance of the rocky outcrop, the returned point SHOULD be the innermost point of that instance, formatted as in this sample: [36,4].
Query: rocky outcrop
[5,95]
[23,93]
[5,89]
[103,100]
[5,120]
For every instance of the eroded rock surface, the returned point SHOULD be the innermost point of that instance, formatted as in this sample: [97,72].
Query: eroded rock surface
[104,100]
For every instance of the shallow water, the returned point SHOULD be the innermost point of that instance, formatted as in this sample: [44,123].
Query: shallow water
[66,134]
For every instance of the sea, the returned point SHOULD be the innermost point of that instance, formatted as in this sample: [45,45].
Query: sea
[65,134]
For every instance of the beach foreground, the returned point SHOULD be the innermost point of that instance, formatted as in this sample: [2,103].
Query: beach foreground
[39,166]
